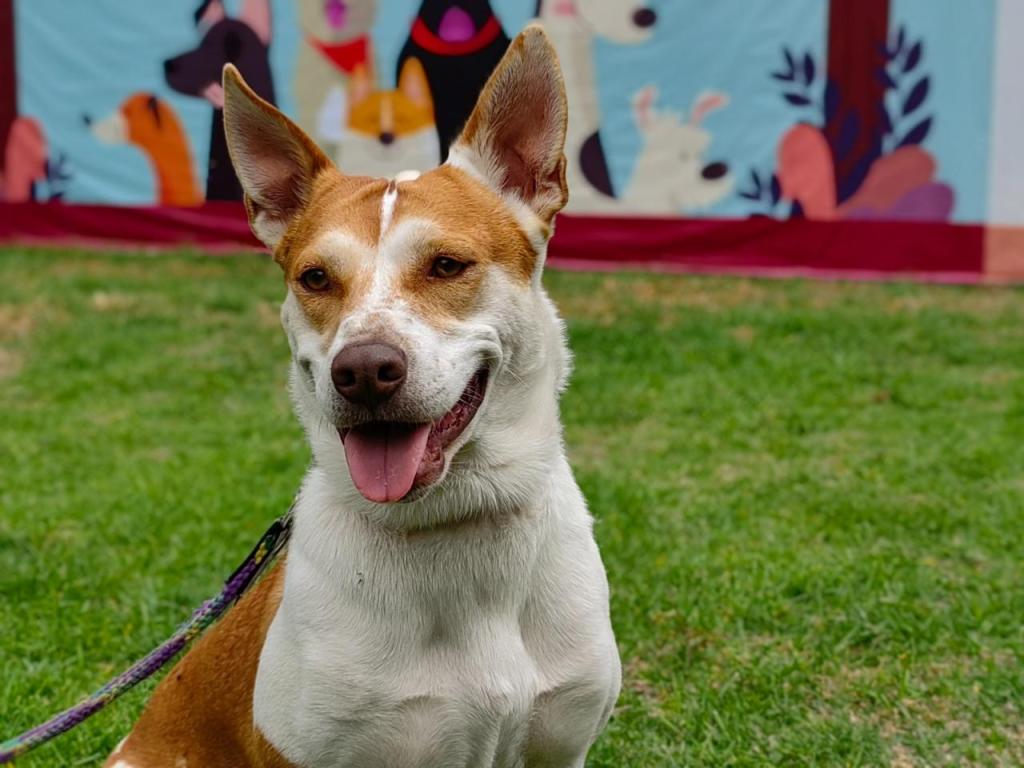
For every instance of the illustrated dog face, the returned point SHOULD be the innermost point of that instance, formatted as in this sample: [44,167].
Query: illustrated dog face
[240,41]
[424,348]
[142,119]
[680,144]
[390,131]
[621,21]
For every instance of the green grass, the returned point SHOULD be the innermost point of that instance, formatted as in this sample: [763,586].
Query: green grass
[809,498]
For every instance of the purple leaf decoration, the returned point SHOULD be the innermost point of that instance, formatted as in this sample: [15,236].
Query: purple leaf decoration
[885,79]
[913,57]
[831,100]
[847,135]
[797,99]
[790,61]
[808,69]
[757,183]
[776,190]
[901,38]
[884,121]
[918,133]
[783,77]
[753,196]
[916,96]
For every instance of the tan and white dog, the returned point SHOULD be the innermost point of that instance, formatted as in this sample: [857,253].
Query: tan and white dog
[443,602]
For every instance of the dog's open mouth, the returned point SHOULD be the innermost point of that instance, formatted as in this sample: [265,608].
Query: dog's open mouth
[388,459]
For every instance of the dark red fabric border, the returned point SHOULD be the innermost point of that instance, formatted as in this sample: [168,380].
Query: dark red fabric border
[759,246]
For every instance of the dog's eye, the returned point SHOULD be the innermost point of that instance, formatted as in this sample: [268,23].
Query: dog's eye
[315,279]
[446,266]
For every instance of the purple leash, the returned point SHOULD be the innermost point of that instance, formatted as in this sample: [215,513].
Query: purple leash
[269,546]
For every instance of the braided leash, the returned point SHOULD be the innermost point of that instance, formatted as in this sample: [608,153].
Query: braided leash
[269,546]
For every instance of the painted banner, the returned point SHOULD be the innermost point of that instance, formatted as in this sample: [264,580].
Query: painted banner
[864,137]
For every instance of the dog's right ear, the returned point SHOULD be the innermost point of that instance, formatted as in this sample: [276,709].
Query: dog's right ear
[275,161]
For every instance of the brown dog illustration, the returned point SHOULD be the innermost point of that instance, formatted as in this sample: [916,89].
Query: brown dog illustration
[152,125]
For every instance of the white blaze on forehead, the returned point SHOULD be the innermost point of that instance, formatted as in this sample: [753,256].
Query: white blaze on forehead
[387,206]
[387,203]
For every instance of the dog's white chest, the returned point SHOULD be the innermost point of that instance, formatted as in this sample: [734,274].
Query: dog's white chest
[456,653]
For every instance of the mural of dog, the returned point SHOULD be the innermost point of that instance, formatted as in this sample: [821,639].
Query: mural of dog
[459,42]
[151,125]
[335,46]
[671,175]
[242,41]
[573,26]
[390,131]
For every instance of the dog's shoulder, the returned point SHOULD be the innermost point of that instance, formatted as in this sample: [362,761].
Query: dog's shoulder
[201,714]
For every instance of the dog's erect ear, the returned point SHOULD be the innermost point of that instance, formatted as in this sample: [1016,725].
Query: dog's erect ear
[515,137]
[275,161]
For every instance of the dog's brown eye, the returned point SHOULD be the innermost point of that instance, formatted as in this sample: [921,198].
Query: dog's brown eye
[315,279]
[445,266]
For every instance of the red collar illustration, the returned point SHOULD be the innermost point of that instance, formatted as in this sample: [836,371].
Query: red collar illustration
[430,42]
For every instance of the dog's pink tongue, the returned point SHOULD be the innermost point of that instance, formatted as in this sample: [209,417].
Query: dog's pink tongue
[456,26]
[383,458]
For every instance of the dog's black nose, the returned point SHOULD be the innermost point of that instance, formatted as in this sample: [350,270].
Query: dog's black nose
[714,171]
[387,138]
[369,372]
[645,17]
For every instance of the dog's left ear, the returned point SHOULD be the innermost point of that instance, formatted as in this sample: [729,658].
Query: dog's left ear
[275,161]
[515,138]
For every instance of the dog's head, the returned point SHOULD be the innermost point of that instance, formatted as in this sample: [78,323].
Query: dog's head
[240,41]
[426,355]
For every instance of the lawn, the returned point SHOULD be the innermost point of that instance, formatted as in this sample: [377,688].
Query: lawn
[809,496]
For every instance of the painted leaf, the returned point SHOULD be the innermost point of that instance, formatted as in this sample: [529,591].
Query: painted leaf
[831,100]
[750,195]
[776,190]
[884,121]
[917,95]
[808,69]
[790,61]
[847,135]
[783,77]
[797,99]
[901,38]
[913,57]
[918,133]
[885,79]
[754,177]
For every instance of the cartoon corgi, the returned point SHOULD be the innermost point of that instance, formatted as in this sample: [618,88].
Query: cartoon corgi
[389,131]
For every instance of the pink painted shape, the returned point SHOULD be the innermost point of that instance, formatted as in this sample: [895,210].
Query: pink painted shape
[805,171]
[24,159]
[929,202]
[889,179]
[456,26]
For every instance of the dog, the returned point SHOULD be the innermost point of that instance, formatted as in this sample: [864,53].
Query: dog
[151,124]
[573,26]
[389,131]
[459,42]
[670,176]
[335,47]
[443,601]
[244,41]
